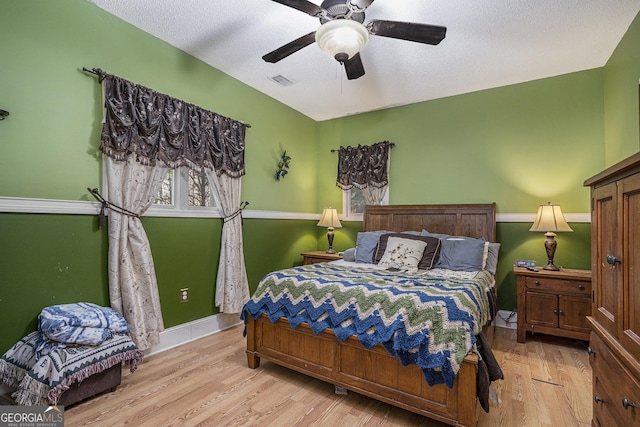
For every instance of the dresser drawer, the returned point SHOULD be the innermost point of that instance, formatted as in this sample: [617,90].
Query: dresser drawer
[605,413]
[616,391]
[558,285]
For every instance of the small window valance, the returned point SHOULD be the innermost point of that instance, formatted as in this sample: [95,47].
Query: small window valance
[363,166]
[157,127]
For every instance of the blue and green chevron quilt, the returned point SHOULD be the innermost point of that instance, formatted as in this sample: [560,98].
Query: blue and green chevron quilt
[421,318]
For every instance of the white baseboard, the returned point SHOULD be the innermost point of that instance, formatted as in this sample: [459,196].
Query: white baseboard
[507,319]
[187,332]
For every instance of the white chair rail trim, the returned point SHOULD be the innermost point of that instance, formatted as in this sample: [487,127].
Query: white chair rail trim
[71,207]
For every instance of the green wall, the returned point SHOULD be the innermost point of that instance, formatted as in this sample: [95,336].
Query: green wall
[519,146]
[622,115]
[56,111]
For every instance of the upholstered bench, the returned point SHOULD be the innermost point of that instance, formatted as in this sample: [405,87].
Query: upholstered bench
[66,375]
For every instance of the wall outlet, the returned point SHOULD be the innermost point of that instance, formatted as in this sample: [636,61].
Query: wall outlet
[184,295]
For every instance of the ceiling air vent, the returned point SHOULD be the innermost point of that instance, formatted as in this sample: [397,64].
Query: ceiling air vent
[281,80]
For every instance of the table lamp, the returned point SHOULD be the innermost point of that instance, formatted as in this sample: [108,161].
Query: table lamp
[330,220]
[550,221]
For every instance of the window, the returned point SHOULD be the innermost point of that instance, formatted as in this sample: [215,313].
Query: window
[353,203]
[185,192]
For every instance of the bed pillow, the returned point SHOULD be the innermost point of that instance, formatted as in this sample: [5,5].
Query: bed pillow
[366,243]
[461,254]
[429,255]
[349,255]
[403,254]
[490,253]
[492,258]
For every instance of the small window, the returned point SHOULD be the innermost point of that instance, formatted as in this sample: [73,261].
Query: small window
[353,203]
[185,192]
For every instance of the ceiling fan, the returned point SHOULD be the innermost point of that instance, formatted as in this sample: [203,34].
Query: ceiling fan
[342,33]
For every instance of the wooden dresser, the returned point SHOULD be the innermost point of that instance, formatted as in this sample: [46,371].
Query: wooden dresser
[615,319]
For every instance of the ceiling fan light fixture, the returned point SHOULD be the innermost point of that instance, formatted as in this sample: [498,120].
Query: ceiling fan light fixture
[342,37]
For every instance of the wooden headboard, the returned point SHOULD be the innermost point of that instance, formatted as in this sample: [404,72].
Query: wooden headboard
[473,220]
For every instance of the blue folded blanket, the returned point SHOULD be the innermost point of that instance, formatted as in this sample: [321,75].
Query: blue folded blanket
[77,324]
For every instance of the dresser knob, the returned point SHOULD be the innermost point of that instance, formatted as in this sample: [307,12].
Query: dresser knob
[613,260]
[581,287]
[597,399]
[627,404]
[537,282]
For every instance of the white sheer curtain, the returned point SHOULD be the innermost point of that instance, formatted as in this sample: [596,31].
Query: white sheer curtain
[133,290]
[232,285]
[374,195]
[144,133]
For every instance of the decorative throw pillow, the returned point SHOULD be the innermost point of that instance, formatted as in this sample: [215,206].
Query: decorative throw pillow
[366,243]
[429,256]
[403,254]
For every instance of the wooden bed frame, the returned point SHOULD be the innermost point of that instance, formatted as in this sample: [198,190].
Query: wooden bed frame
[374,372]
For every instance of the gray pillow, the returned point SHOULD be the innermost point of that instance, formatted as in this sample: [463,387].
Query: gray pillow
[492,258]
[366,243]
[349,255]
[491,263]
[461,254]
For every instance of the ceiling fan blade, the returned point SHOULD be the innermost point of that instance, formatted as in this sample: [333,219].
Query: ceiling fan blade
[291,47]
[421,33]
[303,6]
[354,67]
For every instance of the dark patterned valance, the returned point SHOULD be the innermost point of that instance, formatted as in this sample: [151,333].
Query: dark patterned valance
[363,165]
[157,127]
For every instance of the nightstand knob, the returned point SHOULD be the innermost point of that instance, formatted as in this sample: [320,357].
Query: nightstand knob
[537,282]
[581,287]
[598,399]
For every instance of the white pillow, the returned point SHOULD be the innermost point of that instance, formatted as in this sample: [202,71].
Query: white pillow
[403,254]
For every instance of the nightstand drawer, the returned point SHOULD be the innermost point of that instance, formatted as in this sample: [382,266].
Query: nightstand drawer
[558,285]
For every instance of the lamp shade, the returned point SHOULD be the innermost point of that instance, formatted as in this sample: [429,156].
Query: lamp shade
[329,218]
[342,38]
[550,219]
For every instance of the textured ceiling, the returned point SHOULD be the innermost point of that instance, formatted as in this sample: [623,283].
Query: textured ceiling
[489,43]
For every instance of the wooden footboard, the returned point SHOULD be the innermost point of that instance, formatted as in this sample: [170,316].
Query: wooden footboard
[373,372]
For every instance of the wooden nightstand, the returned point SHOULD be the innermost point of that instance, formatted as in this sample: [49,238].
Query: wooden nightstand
[554,302]
[314,257]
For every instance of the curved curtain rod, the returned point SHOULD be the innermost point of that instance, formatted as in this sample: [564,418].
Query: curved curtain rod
[101,74]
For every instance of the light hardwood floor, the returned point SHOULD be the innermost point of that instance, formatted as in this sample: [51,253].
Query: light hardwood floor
[207,382]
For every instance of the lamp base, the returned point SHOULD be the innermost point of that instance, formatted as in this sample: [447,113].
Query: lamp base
[330,239]
[550,246]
